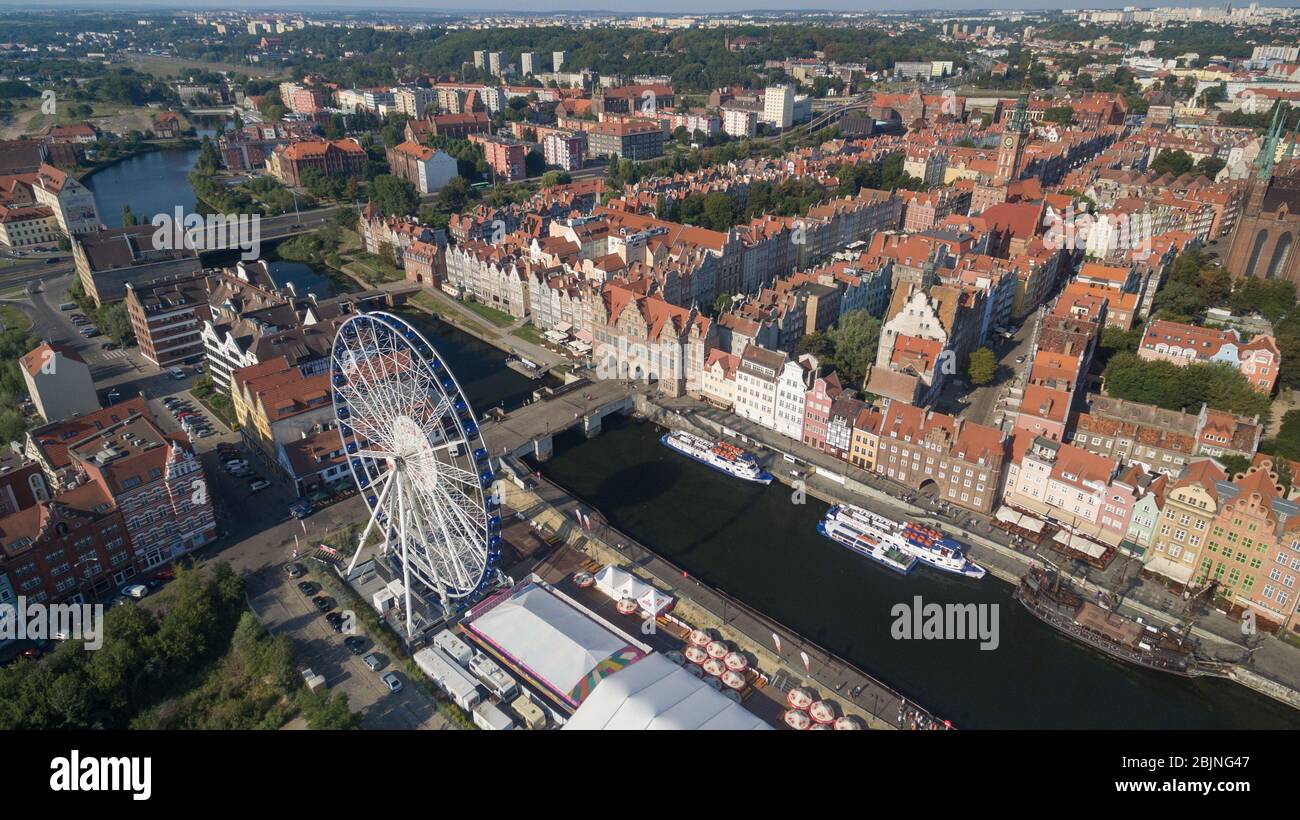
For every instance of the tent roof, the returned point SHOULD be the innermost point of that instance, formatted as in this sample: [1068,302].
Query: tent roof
[551,639]
[655,693]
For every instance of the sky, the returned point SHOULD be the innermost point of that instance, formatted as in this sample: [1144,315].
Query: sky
[657,7]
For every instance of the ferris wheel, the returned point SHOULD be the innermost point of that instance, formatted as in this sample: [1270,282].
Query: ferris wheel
[415,451]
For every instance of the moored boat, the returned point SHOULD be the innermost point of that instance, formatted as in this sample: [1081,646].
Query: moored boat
[720,455]
[921,543]
[1054,600]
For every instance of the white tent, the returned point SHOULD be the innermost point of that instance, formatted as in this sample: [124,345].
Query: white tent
[619,583]
[655,693]
[546,636]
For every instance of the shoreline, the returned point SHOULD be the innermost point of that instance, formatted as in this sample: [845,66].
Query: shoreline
[1249,678]
[142,150]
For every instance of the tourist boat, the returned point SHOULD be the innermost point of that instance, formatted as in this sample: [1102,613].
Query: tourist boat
[923,543]
[866,540]
[1055,601]
[719,455]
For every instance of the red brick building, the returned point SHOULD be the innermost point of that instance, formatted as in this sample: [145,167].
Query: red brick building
[343,157]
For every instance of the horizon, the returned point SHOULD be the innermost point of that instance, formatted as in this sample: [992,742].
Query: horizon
[567,7]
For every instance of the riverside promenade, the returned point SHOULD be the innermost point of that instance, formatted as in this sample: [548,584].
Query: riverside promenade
[553,508]
[1261,662]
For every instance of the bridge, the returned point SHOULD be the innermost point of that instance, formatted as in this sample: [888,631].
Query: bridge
[530,430]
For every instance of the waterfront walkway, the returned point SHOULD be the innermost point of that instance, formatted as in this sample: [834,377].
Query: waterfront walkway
[832,676]
[1221,637]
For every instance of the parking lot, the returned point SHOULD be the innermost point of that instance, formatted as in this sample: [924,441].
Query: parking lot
[287,611]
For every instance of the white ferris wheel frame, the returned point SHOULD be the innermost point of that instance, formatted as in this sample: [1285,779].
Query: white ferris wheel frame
[413,447]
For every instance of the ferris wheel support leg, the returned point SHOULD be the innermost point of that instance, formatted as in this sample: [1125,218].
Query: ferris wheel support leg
[374,515]
[406,560]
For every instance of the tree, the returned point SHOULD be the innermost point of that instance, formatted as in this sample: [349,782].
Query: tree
[983,366]
[455,194]
[113,320]
[819,345]
[1061,115]
[534,163]
[855,338]
[1233,464]
[394,196]
[1172,162]
[128,216]
[556,178]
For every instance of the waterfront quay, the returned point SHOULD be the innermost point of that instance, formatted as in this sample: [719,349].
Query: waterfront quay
[1263,664]
[553,509]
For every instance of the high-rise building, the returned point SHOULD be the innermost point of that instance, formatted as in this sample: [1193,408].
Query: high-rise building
[494,63]
[528,63]
[778,105]
[557,59]
[480,60]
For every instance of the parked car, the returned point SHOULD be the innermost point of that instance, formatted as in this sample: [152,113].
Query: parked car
[236,464]
[258,484]
[308,588]
[295,570]
[323,602]
[300,508]
[176,373]
[203,432]
[373,662]
[67,306]
[393,682]
[88,331]
[107,346]
[355,644]
[135,590]
[335,620]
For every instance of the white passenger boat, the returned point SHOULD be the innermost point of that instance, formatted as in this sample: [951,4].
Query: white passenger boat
[721,456]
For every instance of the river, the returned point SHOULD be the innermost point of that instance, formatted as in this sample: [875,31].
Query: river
[151,183]
[752,542]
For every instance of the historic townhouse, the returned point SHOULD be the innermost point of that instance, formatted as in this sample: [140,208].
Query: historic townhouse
[961,460]
[644,338]
[1191,505]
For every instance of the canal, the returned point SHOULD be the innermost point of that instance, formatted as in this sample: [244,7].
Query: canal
[755,544]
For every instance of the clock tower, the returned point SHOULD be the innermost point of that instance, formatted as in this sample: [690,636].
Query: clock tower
[1012,149]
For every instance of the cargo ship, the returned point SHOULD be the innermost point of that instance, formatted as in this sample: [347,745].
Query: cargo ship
[927,544]
[1054,600]
[720,455]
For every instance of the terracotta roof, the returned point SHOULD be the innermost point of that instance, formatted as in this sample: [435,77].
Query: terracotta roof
[35,359]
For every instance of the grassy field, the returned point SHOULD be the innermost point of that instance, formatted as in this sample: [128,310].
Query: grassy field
[496,317]
[530,334]
[11,318]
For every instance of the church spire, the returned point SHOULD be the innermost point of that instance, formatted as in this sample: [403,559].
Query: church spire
[1268,153]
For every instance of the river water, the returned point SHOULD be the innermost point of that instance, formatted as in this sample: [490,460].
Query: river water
[150,183]
[752,542]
